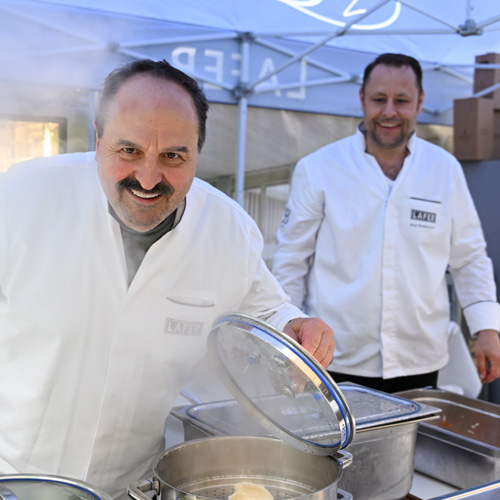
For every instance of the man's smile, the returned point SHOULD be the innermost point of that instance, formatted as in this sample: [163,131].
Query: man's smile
[144,194]
[388,125]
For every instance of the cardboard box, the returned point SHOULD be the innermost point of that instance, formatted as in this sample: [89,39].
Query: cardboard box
[473,128]
[484,78]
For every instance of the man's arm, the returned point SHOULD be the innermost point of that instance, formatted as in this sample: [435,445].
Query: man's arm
[297,235]
[472,272]
[266,300]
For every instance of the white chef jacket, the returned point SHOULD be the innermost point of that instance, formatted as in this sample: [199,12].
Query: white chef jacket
[90,368]
[370,258]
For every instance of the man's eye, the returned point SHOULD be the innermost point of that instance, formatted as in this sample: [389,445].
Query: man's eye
[172,155]
[129,151]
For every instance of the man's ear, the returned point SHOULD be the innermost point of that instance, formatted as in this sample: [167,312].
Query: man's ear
[420,102]
[362,99]
[96,140]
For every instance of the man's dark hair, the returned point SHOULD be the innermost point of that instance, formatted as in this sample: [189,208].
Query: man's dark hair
[396,61]
[160,69]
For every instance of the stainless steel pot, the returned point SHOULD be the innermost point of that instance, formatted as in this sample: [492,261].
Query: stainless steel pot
[47,487]
[209,468]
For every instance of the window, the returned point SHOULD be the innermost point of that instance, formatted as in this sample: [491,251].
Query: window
[265,198]
[266,205]
[22,138]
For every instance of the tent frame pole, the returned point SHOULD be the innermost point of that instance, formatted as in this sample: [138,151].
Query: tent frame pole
[92,103]
[240,91]
[239,182]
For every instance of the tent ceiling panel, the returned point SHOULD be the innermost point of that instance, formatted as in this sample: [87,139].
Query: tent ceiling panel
[303,55]
[77,42]
[296,18]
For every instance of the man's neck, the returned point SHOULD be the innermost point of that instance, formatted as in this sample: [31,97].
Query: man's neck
[391,165]
[390,160]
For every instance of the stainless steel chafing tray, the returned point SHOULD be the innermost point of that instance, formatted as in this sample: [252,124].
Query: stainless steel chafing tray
[372,410]
[462,446]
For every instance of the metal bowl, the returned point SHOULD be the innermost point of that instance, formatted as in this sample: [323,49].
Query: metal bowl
[47,487]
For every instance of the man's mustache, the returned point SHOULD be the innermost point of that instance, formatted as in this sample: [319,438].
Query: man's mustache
[131,183]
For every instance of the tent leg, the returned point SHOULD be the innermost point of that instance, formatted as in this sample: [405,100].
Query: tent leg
[239,185]
[92,99]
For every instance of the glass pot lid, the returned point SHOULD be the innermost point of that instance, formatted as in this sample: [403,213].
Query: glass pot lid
[280,384]
[47,487]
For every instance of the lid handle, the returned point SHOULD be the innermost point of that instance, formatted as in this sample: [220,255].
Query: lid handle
[6,494]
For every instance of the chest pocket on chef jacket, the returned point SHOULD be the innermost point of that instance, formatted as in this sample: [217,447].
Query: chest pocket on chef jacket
[189,314]
[423,219]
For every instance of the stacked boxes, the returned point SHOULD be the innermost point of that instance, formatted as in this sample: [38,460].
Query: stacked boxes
[476,126]
[484,78]
[473,129]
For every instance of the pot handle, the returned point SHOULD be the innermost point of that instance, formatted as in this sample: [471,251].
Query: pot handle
[344,457]
[343,495]
[136,490]
[6,494]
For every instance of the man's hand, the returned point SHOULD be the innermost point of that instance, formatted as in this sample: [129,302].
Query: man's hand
[315,336]
[488,355]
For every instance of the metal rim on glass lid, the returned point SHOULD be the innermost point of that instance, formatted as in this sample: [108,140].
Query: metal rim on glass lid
[280,384]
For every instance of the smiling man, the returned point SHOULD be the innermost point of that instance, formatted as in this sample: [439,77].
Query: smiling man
[373,224]
[114,265]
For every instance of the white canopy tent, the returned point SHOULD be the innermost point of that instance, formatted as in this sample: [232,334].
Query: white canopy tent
[298,55]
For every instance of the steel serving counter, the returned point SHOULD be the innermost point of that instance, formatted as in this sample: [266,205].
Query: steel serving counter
[462,446]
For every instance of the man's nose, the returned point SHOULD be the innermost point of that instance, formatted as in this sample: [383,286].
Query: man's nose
[389,108]
[149,173]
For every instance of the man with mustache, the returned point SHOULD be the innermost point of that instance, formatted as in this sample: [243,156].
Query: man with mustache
[373,223]
[113,267]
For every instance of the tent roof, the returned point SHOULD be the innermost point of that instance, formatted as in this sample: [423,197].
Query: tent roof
[77,42]
[414,23]
[301,55]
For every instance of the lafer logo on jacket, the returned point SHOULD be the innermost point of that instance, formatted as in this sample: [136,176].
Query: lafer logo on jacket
[180,327]
[286,216]
[422,216]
